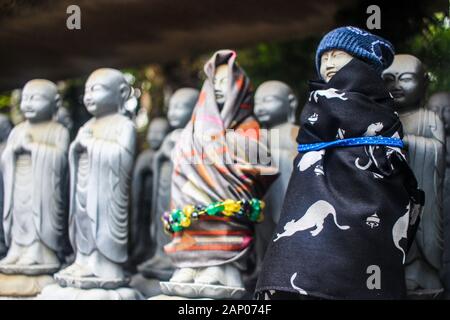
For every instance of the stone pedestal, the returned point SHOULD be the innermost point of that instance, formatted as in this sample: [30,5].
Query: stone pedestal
[17,285]
[148,287]
[56,292]
[194,290]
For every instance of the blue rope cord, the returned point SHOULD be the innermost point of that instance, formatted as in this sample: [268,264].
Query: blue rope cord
[350,142]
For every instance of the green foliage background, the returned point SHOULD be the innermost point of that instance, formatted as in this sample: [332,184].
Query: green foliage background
[432,46]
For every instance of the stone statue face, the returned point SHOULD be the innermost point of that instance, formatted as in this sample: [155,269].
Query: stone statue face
[406,81]
[157,131]
[181,105]
[220,83]
[106,91]
[40,100]
[274,102]
[332,61]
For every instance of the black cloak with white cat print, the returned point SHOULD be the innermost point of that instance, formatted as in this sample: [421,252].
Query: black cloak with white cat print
[345,223]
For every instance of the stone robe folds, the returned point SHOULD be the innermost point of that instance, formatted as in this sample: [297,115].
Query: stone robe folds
[425,141]
[100,181]
[35,185]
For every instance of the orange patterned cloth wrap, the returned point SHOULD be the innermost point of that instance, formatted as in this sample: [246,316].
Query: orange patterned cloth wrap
[218,157]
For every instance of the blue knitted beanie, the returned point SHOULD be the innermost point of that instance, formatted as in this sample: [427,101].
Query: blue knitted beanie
[374,50]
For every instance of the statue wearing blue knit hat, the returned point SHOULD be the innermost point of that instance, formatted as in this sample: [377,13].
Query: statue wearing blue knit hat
[352,203]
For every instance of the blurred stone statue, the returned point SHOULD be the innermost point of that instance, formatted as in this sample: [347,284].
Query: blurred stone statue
[101,161]
[181,105]
[35,174]
[63,117]
[440,103]
[5,129]
[425,141]
[142,192]
[275,107]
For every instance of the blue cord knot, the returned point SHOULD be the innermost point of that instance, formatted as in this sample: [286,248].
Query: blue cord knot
[360,141]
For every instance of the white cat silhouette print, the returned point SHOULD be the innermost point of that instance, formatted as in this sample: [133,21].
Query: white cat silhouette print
[313,218]
[318,170]
[328,93]
[400,231]
[309,159]
[340,134]
[373,129]
[300,290]
[369,152]
[313,119]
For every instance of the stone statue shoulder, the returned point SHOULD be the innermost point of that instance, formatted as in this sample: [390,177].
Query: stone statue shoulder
[122,122]
[17,134]
[17,130]
[424,123]
[87,125]
[169,142]
[437,128]
[60,132]
[287,130]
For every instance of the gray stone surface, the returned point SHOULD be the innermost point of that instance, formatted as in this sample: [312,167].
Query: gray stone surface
[193,290]
[180,110]
[101,161]
[30,269]
[440,103]
[141,245]
[5,129]
[148,287]
[56,292]
[34,162]
[424,139]
[275,108]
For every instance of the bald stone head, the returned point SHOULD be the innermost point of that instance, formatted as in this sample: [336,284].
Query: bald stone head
[275,103]
[40,100]
[181,105]
[157,131]
[106,91]
[406,79]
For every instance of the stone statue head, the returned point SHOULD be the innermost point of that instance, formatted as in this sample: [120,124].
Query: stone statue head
[332,61]
[440,103]
[181,105]
[5,127]
[275,103]
[407,81]
[40,100]
[157,131]
[220,83]
[106,91]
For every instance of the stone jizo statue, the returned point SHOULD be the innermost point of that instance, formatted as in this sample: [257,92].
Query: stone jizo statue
[179,113]
[275,107]
[5,129]
[101,162]
[35,174]
[142,193]
[440,103]
[425,141]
